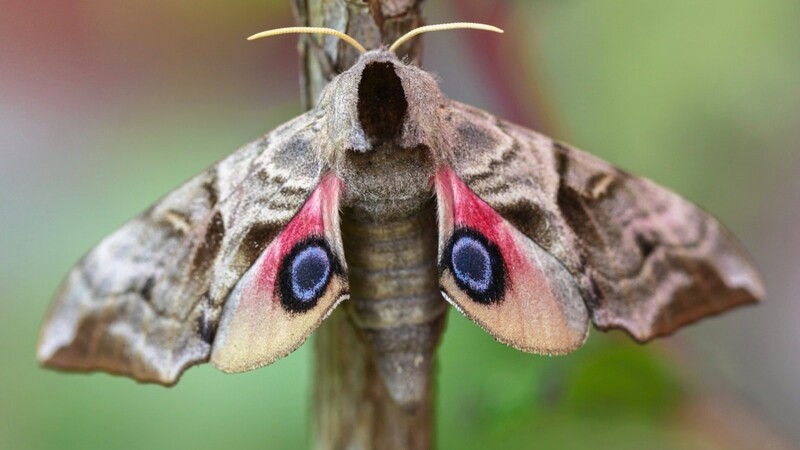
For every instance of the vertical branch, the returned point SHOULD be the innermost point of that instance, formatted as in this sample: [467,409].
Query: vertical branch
[352,408]
[370,22]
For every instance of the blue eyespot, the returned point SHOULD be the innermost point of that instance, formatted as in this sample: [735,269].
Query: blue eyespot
[305,273]
[310,271]
[471,263]
[476,264]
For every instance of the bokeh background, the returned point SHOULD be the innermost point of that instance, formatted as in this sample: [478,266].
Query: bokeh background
[105,105]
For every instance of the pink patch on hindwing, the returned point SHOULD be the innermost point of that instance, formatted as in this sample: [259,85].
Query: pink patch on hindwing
[292,287]
[502,279]
[313,221]
[464,209]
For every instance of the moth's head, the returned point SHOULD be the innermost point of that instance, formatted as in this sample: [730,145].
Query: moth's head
[381,100]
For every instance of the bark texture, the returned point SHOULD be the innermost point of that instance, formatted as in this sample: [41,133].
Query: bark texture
[371,22]
[352,407]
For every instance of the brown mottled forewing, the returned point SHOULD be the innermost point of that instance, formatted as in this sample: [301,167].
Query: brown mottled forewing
[146,301]
[646,260]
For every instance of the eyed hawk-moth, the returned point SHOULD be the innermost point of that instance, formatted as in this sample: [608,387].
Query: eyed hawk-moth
[395,200]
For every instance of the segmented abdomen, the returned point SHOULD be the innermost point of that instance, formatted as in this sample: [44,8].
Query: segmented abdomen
[394,296]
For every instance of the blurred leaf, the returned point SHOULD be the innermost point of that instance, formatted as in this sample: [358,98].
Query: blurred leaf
[623,380]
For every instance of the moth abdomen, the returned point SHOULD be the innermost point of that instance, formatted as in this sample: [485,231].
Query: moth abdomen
[395,301]
[404,357]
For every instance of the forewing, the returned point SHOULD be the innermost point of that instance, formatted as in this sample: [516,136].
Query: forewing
[645,259]
[146,301]
[501,279]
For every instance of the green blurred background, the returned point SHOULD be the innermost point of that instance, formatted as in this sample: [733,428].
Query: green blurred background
[105,105]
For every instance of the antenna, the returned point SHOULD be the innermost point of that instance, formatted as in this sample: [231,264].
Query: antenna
[309,30]
[402,40]
[441,27]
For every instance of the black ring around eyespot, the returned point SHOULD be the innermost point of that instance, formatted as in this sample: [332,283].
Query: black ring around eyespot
[476,264]
[305,273]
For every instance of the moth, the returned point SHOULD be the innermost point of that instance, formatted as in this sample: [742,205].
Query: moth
[394,200]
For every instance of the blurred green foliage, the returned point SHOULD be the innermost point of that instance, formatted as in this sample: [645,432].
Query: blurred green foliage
[659,86]
[693,94]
